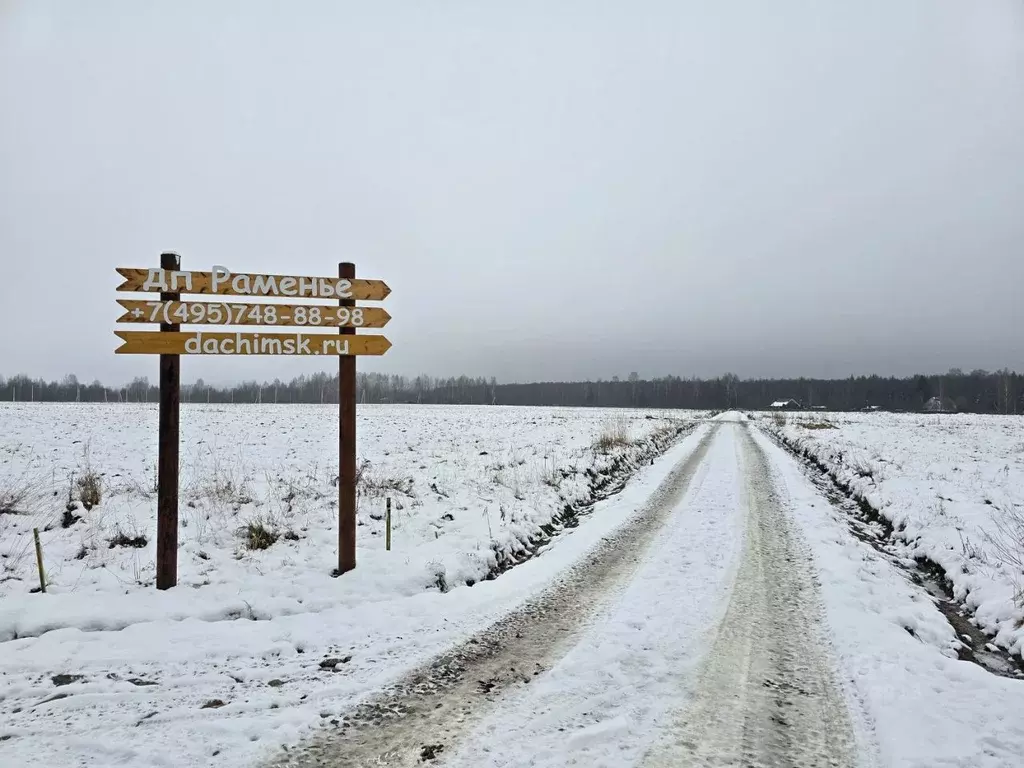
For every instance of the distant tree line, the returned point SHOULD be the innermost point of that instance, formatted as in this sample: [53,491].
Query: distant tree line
[976,392]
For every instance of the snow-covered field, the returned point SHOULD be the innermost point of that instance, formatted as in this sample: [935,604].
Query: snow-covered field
[951,485]
[258,647]
[470,485]
[467,484]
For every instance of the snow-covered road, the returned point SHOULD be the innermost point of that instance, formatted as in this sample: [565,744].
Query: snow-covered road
[663,678]
[734,621]
[767,694]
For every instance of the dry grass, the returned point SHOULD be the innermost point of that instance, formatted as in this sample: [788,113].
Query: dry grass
[218,480]
[1008,546]
[89,483]
[14,498]
[614,434]
[21,494]
[372,482]
[90,489]
[259,534]
[550,474]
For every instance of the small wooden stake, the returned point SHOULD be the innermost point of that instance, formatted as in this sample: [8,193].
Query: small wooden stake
[387,527]
[346,443]
[39,560]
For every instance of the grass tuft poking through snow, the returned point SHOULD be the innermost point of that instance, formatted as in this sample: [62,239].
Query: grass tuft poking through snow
[614,435]
[1006,543]
[257,535]
[90,489]
[374,482]
[20,493]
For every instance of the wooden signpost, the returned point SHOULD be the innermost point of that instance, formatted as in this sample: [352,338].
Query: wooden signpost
[167,464]
[170,342]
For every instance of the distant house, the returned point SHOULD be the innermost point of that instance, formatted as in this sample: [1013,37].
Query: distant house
[940,405]
[785,405]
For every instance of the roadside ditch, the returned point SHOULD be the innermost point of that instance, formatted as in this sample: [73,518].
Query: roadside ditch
[870,526]
[601,484]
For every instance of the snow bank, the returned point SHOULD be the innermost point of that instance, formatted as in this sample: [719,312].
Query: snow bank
[916,705]
[945,483]
[474,490]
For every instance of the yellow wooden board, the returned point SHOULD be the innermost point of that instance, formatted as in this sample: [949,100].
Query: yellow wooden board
[225,283]
[246,343]
[265,314]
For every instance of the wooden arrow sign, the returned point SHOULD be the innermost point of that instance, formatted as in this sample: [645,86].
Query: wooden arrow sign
[221,343]
[222,282]
[224,313]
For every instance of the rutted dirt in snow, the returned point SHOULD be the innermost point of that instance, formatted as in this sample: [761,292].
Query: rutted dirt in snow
[423,716]
[767,696]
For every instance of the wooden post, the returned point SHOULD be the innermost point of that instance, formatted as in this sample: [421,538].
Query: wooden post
[39,560]
[346,443]
[167,463]
[387,527]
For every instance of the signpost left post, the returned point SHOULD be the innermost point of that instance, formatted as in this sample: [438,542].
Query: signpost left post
[167,463]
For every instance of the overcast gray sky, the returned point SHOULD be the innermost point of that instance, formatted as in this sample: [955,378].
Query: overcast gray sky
[553,190]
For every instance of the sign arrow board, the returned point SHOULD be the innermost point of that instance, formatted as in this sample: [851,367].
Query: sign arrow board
[221,343]
[224,313]
[222,282]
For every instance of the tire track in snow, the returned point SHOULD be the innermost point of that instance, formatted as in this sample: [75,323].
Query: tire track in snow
[611,695]
[767,697]
[424,714]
